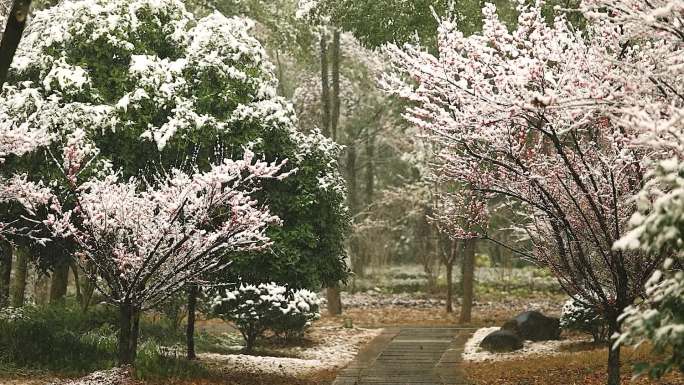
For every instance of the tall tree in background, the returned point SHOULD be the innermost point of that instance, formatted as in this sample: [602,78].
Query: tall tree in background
[464,217]
[14,18]
[14,28]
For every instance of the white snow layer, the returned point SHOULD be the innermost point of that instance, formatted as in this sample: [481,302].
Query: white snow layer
[335,350]
[473,353]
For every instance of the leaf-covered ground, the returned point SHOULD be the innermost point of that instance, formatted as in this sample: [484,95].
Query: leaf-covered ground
[572,368]
[376,309]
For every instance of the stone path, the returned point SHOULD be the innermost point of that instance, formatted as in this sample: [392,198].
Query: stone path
[407,356]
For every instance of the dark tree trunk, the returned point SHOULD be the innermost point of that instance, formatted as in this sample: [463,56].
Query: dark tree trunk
[467,278]
[334,299]
[190,330]
[250,341]
[613,366]
[86,284]
[613,354]
[16,21]
[59,282]
[20,275]
[129,319]
[450,287]
[335,107]
[325,87]
[5,273]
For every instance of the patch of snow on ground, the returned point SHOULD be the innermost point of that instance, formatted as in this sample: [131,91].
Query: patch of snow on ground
[472,351]
[114,376]
[336,348]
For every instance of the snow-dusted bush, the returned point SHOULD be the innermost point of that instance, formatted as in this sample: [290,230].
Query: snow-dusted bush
[581,317]
[657,229]
[304,308]
[268,306]
[660,320]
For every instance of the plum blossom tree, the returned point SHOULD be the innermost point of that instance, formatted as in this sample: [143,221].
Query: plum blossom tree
[148,237]
[536,117]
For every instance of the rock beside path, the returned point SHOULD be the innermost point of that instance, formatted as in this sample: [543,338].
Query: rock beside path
[534,326]
[501,341]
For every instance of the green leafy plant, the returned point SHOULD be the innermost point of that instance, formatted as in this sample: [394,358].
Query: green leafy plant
[578,316]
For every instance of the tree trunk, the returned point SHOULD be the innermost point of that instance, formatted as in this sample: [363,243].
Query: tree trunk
[613,354]
[370,167]
[613,366]
[334,300]
[128,333]
[59,282]
[450,287]
[467,278]
[190,330]
[335,108]
[358,260]
[41,288]
[325,87]
[20,275]
[86,285]
[281,75]
[16,21]
[5,273]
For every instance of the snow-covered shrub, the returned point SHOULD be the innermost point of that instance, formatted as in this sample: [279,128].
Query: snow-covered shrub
[268,306]
[659,319]
[303,309]
[657,230]
[578,316]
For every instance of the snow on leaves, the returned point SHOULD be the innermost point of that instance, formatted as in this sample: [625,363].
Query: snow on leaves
[267,306]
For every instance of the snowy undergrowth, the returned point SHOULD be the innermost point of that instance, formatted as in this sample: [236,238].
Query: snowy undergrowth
[473,353]
[336,347]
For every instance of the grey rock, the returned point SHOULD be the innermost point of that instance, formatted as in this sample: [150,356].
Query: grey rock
[534,326]
[501,341]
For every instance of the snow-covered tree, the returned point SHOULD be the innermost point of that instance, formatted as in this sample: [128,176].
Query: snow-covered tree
[151,89]
[147,238]
[153,86]
[536,116]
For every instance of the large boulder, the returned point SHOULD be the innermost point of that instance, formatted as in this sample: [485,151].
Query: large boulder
[534,326]
[501,341]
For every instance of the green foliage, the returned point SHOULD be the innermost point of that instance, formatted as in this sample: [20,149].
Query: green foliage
[209,85]
[64,339]
[660,321]
[154,363]
[60,338]
[377,22]
[578,316]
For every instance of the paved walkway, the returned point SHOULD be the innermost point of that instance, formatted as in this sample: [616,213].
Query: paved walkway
[407,356]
